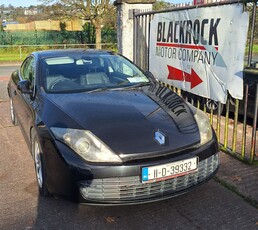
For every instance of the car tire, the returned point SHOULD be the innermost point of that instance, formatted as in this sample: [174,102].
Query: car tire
[13,115]
[39,163]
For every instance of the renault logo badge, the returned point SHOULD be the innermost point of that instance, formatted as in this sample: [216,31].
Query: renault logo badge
[160,137]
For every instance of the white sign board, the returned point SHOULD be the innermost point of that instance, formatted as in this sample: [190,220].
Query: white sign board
[201,50]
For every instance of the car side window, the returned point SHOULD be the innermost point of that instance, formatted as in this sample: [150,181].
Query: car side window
[28,71]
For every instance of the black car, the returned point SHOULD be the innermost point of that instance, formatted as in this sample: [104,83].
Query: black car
[101,131]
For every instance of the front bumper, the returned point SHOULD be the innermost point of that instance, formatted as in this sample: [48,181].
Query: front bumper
[71,176]
[127,190]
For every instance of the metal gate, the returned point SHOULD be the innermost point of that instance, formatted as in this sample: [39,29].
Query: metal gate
[235,122]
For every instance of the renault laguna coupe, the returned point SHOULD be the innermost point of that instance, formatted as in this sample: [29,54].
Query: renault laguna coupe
[101,131]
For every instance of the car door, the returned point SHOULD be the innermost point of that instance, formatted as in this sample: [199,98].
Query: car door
[24,102]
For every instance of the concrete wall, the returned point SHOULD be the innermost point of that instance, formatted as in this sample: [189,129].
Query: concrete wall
[125,31]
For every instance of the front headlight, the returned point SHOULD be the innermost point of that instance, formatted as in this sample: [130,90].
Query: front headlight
[86,144]
[204,126]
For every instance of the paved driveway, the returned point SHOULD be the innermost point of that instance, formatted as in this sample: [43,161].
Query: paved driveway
[5,73]
[211,206]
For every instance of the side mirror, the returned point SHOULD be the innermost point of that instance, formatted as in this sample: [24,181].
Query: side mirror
[24,86]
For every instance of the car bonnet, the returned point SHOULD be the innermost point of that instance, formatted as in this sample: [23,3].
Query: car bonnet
[136,121]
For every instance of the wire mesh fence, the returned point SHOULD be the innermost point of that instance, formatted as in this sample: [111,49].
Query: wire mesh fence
[54,37]
[19,52]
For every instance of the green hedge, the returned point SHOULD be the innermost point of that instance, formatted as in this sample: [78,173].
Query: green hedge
[53,37]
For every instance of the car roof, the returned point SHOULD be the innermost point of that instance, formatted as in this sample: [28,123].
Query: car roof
[54,53]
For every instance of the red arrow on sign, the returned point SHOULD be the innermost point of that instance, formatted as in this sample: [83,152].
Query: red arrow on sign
[180,75]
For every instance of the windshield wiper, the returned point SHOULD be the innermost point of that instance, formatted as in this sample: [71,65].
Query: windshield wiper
[132,86]
[119,88]
[139,84]
[98,90]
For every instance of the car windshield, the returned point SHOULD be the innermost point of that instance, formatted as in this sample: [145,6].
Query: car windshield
[89,72]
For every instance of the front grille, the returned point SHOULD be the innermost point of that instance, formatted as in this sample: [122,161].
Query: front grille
[131,189]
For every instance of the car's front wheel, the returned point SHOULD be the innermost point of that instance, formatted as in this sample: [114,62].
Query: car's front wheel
[39,166]
[13,115]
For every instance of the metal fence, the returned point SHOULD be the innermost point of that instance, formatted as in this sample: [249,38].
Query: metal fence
[235,122]
[36,37]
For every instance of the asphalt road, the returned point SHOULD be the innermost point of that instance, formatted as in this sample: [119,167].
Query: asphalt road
[5,73]
[7,70]
[211,206]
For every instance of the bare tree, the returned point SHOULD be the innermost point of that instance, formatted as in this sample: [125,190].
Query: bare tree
[88,10]
[162,5]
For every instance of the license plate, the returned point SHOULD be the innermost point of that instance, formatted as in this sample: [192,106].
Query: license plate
[170,170]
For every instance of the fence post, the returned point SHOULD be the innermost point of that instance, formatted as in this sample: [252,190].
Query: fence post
[125,27]
[250,51]
[20,48]
[36,37]
[253,143]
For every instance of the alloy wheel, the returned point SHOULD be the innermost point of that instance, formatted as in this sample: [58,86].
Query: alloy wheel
[12,110]
[38,164]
